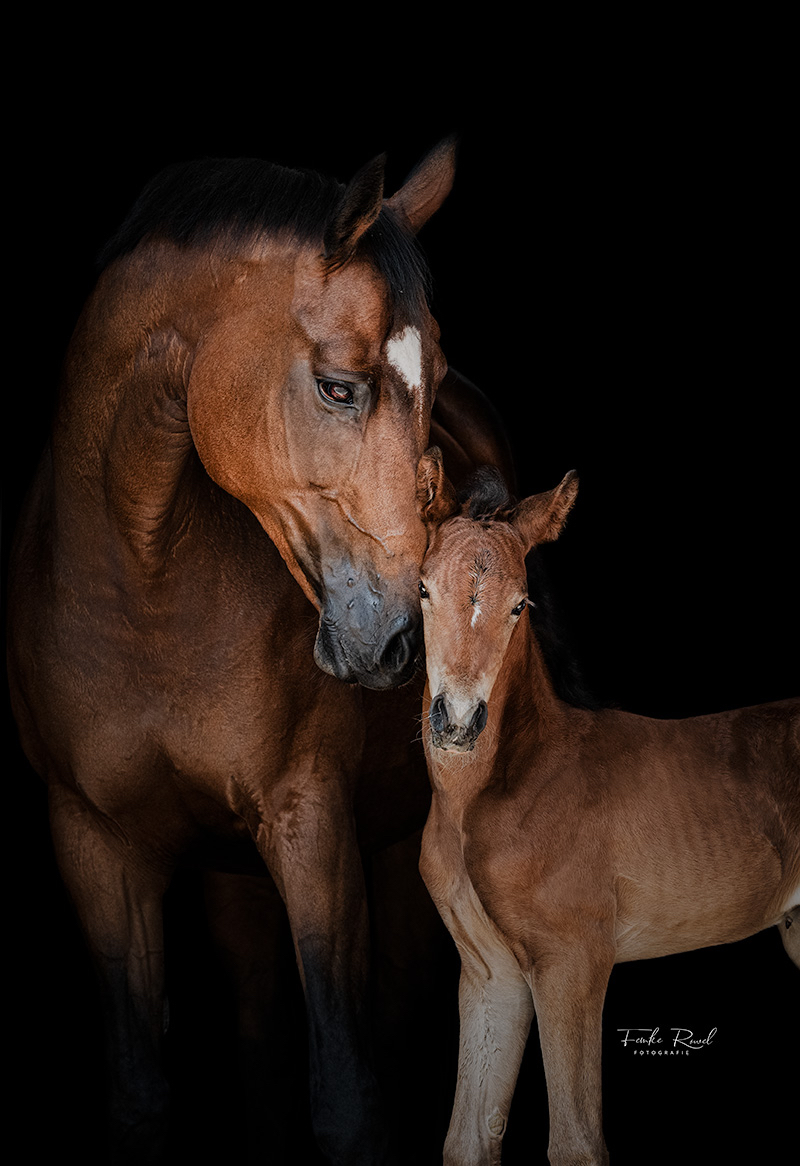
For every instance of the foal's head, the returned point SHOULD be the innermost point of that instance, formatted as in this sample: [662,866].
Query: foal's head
[474,589]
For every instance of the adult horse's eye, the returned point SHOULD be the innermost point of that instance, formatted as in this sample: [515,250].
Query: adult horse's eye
[423,593]
[336,391]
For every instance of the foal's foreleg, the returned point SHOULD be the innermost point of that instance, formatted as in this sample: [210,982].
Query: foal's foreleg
[495,1013]
[117,895]
[568,992]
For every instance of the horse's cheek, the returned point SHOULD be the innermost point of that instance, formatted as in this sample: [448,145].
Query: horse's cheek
[229,423]
[319,449]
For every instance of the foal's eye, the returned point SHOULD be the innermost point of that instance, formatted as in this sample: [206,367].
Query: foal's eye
[423,593]
[336,391]
[518,610]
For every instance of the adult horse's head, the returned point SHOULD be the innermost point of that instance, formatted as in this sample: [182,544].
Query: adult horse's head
[310,395]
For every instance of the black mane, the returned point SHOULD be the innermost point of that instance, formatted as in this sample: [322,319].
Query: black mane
[486,492]
[201,201]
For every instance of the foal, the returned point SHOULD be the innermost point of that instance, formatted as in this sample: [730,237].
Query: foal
[539,850]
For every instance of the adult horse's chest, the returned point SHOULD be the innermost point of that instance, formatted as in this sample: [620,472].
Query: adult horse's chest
[191,678]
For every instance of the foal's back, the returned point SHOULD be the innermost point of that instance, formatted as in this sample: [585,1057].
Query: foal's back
[685,832]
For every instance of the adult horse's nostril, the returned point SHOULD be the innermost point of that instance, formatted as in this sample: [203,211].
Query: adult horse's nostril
[401,647]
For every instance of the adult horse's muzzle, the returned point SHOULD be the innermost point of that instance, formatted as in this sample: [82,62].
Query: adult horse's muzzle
[453,733]
[364,635]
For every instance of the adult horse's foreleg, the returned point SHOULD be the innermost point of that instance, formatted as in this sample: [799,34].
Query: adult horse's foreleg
[495,1014]
[118,895]
[568,993]
[310,848]
[415,978]
[247,921]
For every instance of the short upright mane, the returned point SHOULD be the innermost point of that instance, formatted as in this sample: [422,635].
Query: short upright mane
[209,199]
[487,494]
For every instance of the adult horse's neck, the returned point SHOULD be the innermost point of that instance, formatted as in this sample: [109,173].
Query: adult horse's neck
[122,447]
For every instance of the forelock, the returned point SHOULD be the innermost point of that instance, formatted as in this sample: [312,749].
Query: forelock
[486,493]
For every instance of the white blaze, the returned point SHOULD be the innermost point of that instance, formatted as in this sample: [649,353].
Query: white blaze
[404,353]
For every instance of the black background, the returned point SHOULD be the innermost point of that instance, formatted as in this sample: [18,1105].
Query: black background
[612,270]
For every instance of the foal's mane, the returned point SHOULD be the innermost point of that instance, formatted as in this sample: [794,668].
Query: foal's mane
[486,495]
[486,498]
[215,200]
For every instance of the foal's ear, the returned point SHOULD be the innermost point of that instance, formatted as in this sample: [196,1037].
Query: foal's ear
[426,188]
[540,519]
[359,208]
[436,498]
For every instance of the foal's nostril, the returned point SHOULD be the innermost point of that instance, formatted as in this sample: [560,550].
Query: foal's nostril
[438,714]
[479,717]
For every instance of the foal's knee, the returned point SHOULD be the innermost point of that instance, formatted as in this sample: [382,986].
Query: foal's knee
[479,1145]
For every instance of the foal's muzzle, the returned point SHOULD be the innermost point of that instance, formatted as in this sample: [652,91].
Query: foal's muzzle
[457,736]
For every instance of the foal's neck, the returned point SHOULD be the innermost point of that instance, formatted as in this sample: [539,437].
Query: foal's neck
[523,697]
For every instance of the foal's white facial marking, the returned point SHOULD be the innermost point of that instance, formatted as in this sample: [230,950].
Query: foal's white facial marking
[477,575]
[404,353]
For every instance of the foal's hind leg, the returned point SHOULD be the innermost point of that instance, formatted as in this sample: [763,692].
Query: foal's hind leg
[117,895]
[789,928]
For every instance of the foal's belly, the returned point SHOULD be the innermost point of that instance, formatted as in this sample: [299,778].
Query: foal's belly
[668,909]
[678,885]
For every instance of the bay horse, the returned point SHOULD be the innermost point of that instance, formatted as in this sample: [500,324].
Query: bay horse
[214,584]
[563,840]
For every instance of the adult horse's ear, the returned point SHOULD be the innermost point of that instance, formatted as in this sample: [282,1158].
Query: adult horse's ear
[359,208]
[436,498]
[541,518]
[426,188]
